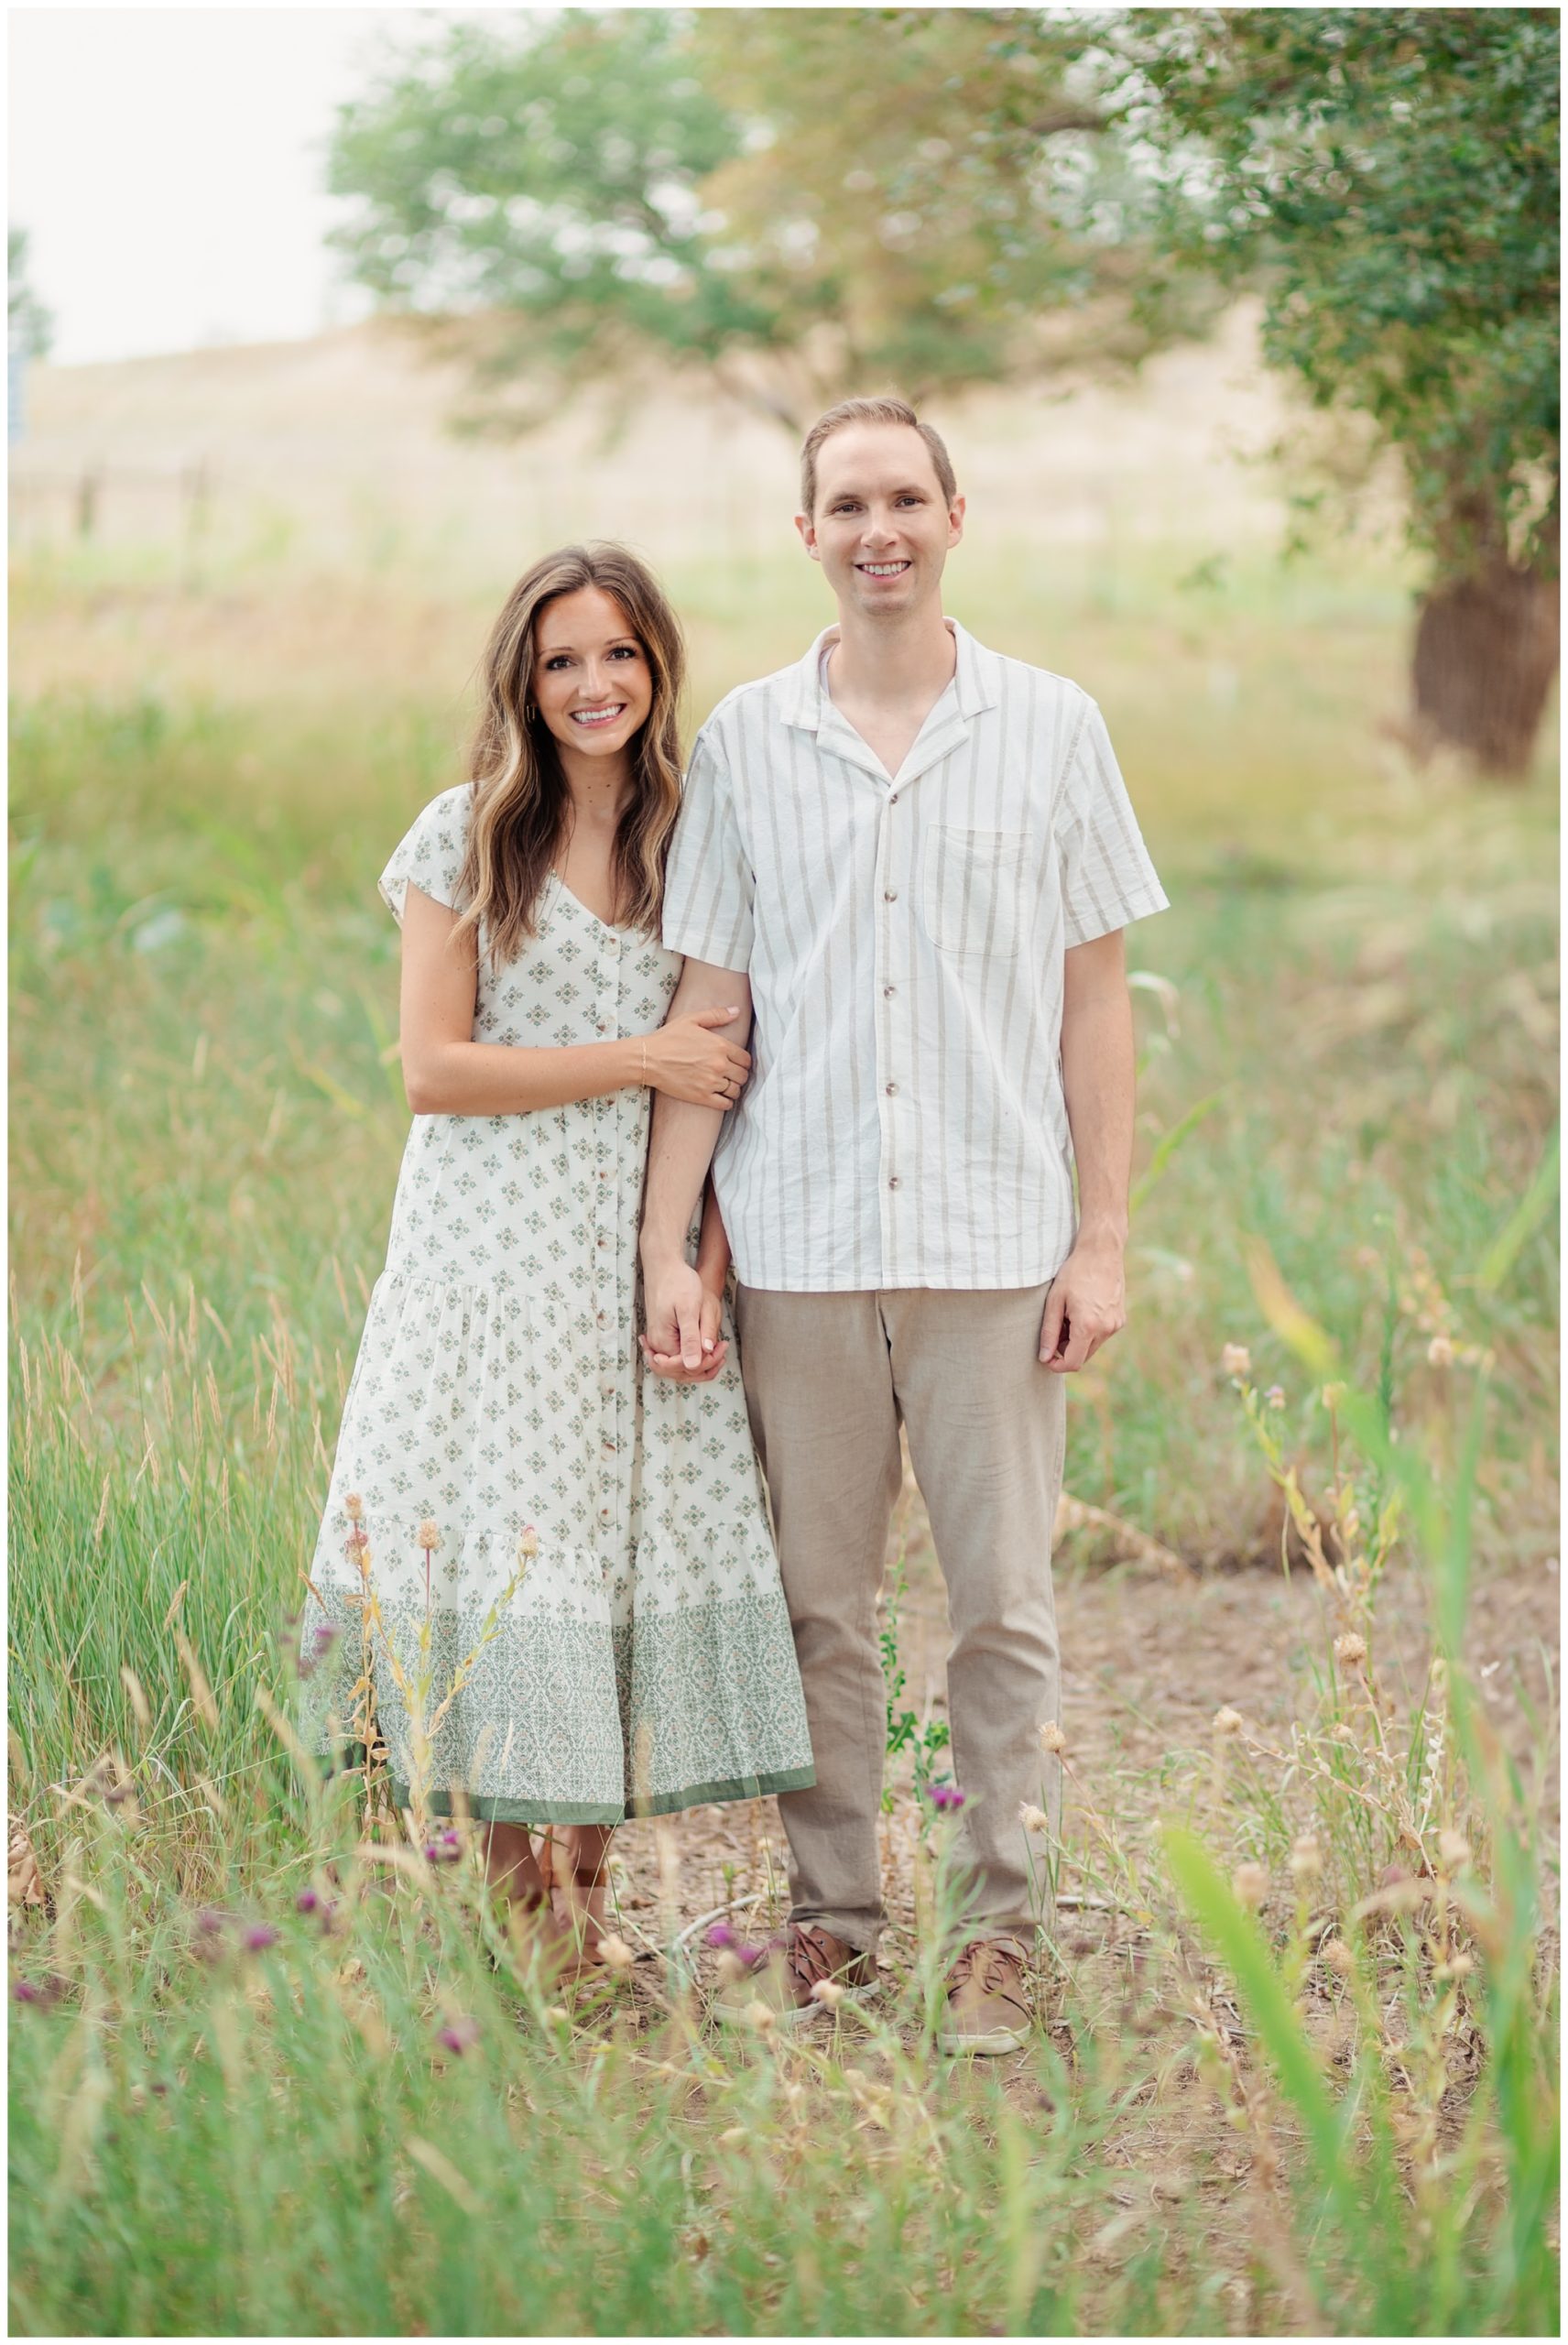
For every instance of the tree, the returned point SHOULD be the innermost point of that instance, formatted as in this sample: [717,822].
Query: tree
[805,202]
[1388,177]
[29,326]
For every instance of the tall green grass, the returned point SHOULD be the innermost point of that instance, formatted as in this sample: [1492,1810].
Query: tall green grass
[1318,2094]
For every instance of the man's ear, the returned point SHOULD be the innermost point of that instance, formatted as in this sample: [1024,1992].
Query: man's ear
[807,527]
[956,521]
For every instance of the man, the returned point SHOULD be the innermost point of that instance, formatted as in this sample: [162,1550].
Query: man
[911,859]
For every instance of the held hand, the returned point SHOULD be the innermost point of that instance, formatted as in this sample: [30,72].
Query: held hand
[689,1060]
[673,1300]
[1086,1306]
[714,1347]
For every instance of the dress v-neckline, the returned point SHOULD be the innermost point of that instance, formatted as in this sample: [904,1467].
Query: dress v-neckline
[609,926]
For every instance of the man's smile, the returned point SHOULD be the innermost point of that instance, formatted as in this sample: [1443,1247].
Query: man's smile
[882,569]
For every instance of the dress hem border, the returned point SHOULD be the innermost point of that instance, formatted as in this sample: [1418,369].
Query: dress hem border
[542,1811]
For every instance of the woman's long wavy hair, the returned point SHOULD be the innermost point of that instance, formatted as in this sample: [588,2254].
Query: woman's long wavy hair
[522,805]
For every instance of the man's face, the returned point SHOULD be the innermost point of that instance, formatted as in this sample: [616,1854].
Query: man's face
[882,526]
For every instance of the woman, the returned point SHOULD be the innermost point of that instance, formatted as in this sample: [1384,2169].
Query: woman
[500,1422]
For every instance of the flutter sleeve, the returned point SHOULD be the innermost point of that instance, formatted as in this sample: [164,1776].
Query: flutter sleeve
[430,854]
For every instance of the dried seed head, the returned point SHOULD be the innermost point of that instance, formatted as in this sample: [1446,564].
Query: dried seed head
[1228,1721]
[528,1540]
[757,2016]
[828,1992]
[1052,1738]
[1250,1884]
[1333,1395]
[614,1953]
[1350,1523]
[1033,1820]
[1351,1649]
[1454,1849]
[1237,1360]
[730,1967]
[354,1507]
[559,2013]
[1440,1352]
[1337,1955]
[1306,1859]
[1458,1966]
[429,1534]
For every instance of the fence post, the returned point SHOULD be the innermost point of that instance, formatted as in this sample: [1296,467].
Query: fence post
[198,496]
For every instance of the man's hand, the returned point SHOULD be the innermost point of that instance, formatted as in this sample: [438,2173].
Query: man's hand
[683,1333]
[714,1349]
[1086,1305]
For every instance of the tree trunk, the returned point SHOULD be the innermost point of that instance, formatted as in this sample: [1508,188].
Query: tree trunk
[1485,653]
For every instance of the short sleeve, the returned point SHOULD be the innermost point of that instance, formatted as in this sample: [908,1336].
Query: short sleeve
[709,884]
[431,855]
[1107,879]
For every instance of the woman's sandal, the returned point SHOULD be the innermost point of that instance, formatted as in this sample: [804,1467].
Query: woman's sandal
[577,1900]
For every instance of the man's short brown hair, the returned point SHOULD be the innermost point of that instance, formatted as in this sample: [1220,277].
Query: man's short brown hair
[885,411]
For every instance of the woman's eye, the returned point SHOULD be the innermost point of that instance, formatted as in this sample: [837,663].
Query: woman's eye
[558,660]
[624,651]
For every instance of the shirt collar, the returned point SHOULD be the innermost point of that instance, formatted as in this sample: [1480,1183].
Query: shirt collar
[976,680]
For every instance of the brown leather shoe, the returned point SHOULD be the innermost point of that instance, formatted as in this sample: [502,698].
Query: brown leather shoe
[988,2001]
[811,1958]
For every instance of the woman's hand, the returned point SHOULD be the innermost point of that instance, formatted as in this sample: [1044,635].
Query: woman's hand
[712,1346]
[689,1060]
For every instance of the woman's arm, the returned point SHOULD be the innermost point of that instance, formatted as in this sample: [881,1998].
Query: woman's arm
[447,1073]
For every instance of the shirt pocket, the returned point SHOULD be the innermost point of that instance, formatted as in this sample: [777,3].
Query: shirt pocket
[972,891]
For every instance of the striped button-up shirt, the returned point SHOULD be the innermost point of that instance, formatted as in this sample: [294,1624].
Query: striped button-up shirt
[904,1123]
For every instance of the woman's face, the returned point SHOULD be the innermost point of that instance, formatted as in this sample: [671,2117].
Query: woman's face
[592,684]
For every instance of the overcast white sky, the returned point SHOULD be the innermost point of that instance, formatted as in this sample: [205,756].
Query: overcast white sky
[168,164]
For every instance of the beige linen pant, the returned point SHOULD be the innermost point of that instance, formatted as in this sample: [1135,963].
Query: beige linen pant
[828,1377]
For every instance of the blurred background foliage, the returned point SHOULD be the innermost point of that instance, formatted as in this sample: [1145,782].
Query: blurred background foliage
[811,202]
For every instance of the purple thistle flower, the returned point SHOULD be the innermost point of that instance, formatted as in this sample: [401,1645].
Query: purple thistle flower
[946,1798]
[751,1955]
[259,1936]
[27,1990]
[452,1837]
[323,1637]
[307,1902]
[721,1936]
[458,2035]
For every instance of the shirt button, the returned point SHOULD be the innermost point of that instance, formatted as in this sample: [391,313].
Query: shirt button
[603,1025]
[889,895]
[604,1241]
[601,1319]
[893,1180]
[888,991]
[894,800]
[891,1089]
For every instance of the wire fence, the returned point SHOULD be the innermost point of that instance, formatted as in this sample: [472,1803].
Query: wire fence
[102,499]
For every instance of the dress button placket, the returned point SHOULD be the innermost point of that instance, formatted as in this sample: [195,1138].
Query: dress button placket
[605,1207]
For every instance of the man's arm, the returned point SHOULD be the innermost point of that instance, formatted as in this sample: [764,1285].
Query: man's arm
[1087,1302]
[679,1153]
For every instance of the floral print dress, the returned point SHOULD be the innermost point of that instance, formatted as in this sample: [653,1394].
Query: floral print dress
[588,1544]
